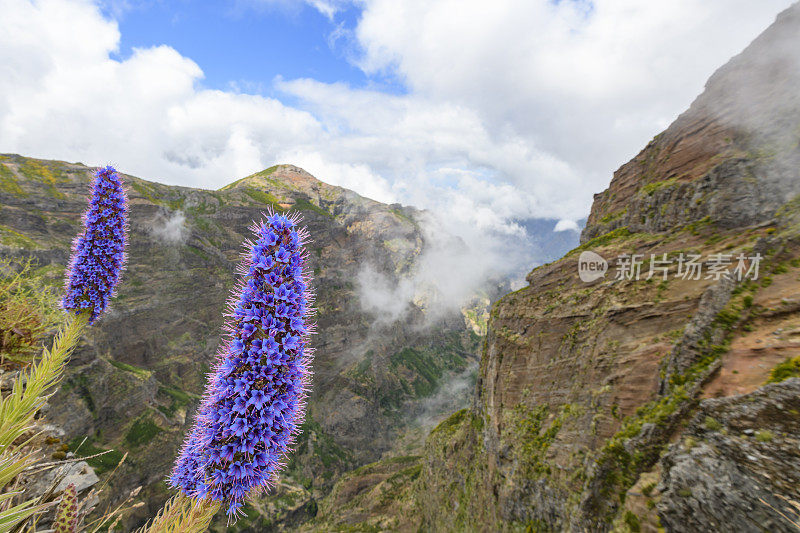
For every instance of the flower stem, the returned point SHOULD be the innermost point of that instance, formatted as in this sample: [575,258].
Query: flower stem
[29,395]
[183,514]
[17,411]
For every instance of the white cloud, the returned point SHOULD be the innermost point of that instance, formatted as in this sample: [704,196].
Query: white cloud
[169,228]
[515,108]
[421,145]
[587,83]
[566,225]
[329,8]
[62,96]
[444,276]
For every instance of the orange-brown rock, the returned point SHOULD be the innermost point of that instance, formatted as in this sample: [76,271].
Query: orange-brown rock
[582,387]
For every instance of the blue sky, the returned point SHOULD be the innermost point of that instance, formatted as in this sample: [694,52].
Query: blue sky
[243,46]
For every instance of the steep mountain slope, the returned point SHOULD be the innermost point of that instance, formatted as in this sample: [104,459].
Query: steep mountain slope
[638,404]
[134,383]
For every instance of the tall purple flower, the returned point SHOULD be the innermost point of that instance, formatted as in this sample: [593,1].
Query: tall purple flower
[98,252]
[255,397]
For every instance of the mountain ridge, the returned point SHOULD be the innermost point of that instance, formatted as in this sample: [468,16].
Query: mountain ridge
[134,381]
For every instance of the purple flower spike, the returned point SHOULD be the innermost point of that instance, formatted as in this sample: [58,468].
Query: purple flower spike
[98,252]
[255,398]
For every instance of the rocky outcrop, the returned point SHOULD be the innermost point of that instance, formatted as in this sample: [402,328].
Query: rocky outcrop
[737,466]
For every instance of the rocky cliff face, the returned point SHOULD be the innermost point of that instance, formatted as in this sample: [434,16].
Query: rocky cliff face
[639,404]
[731,156]
[134,383]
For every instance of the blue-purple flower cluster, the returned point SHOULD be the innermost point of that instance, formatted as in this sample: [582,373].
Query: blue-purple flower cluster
[255,398]
[98,252]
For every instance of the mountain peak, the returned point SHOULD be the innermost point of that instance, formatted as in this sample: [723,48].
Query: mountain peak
[283,175]
[729,157]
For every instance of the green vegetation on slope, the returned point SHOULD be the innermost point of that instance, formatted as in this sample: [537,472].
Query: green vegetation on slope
[785,370]
[263,197]
[49,173]
[142,431]
[262,174]
[8,182]
[105,462]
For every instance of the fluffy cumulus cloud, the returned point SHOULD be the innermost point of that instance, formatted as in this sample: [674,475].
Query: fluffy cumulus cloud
[513,109]
[567,91]
[566,225]
[63,96]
